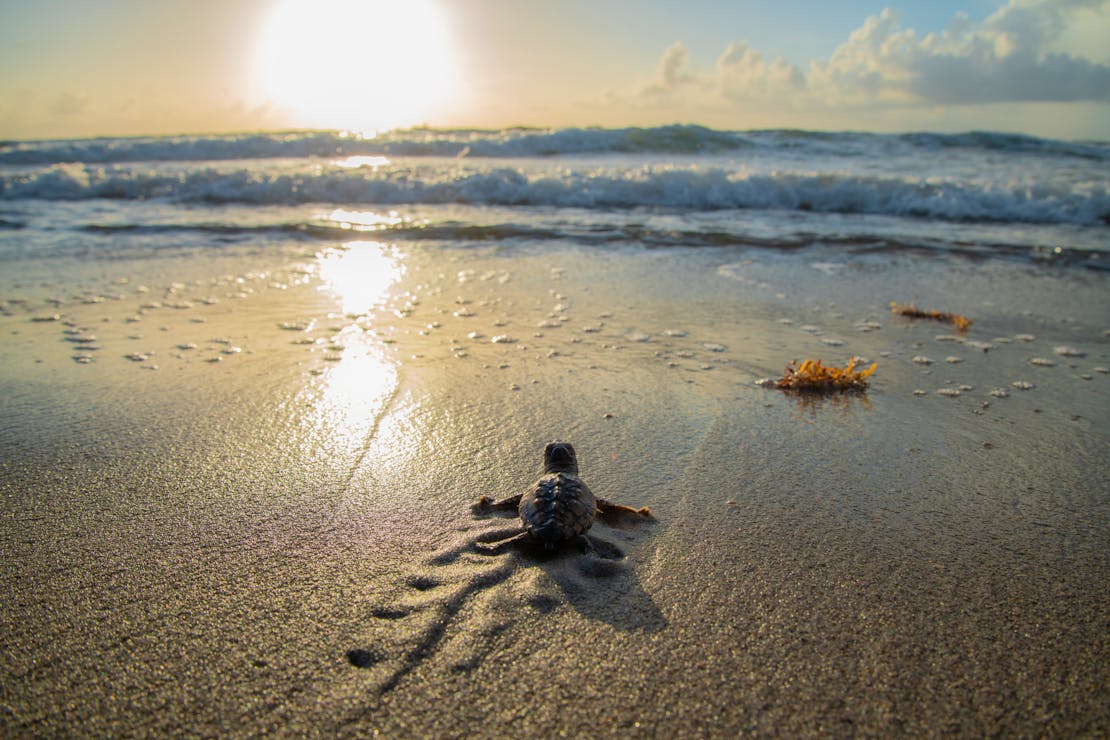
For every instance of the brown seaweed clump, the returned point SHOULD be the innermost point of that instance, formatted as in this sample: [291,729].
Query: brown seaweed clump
[908,309]
[813,377]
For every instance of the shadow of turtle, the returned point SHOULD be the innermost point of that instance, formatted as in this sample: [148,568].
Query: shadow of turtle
[463,602]
[603,589]
[592,575]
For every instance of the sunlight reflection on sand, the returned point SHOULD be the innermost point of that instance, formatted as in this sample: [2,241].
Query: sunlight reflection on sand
[362,377]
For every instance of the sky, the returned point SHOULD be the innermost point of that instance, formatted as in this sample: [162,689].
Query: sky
[82,68]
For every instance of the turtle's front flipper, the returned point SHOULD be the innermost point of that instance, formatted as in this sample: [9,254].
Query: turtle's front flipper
[496,547]
[485,504]
[617,515]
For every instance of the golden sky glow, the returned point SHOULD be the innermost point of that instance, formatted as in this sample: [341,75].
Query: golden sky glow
[125,67]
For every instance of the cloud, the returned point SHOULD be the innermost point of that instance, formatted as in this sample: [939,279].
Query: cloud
[1009,57]
[1003,59]
[742,73]
[674,73]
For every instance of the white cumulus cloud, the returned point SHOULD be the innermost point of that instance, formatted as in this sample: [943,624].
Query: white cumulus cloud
[1005,58]
[1012,56]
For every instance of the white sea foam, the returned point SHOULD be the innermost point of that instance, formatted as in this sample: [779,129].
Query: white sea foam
[687,187]
[982,194]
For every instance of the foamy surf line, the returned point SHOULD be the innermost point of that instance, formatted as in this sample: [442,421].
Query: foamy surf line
[692,188]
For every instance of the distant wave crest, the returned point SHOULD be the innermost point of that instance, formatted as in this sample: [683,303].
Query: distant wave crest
[516,142]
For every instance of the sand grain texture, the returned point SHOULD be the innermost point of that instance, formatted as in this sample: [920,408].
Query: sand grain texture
[281,541]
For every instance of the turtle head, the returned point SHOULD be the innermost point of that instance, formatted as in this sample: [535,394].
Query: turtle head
[559,457]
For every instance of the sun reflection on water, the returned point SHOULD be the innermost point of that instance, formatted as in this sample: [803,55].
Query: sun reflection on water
[365,220]
[360,274]
[356,161]
[356,391]
[361,375]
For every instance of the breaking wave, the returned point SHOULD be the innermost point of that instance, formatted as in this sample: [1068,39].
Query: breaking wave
[694,188]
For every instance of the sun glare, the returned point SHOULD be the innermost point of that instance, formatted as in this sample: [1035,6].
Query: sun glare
[360,274]
[365,65]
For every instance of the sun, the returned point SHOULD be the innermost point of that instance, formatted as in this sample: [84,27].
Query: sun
[364,65]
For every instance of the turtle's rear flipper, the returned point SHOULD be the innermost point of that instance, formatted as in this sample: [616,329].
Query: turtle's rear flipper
[601,548]
[617,515]
[485,504]
[496,547]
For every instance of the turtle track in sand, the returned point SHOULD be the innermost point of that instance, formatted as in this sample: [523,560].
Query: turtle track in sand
[458,606]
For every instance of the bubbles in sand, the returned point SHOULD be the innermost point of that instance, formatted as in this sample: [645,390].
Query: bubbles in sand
[1000,393]
[1042,362]
[1022,385]
[137,356]
[82,358]
[82,338]
[953,360]
[1065,351]
[674,333]
[922,360]
[503,339]
[950,392]
[712,347]
[1025,337]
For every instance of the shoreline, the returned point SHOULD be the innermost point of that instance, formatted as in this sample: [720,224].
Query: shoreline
[200,548]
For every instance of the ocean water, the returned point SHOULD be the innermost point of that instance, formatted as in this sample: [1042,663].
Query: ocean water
[66,205]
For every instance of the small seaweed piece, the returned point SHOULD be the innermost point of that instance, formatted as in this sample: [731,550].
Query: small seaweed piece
[813,377]
[908,309]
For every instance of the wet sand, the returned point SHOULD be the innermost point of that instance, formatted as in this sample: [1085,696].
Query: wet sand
[248,511]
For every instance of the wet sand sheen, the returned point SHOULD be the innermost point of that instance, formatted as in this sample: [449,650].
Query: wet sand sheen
[281,540]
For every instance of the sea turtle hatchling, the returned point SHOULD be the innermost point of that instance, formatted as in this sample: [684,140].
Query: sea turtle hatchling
[559,507]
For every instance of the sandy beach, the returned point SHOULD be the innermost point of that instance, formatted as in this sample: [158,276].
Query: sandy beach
[248,510]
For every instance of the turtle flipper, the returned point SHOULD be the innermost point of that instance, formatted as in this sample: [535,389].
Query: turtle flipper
[485,504]
[603,549]
[618,515]
[498,545]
